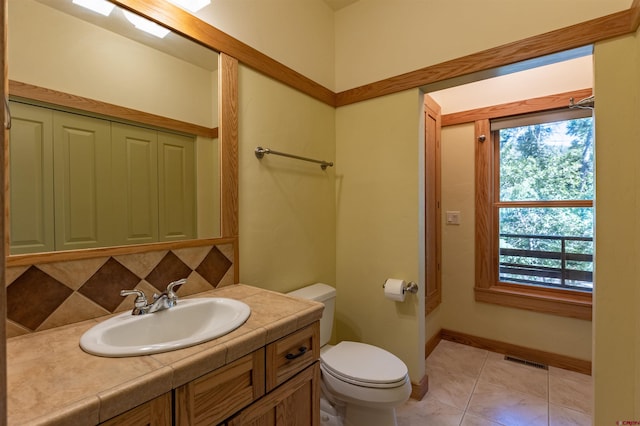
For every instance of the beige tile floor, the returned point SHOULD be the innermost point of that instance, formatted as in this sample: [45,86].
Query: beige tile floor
[475,387]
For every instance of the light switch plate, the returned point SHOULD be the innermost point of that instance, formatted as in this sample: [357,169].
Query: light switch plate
[453,218]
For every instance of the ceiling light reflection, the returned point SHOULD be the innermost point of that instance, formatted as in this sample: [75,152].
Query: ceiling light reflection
[102,7]
[145,25]
[191,5]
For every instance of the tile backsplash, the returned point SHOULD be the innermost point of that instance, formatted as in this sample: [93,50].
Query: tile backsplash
[48,295]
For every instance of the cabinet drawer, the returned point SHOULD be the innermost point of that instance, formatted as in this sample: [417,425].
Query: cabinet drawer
[291,354]
[215,396]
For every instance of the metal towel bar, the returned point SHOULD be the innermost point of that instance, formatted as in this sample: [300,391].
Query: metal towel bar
[260,152]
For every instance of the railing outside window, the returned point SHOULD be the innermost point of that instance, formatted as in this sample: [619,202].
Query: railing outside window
[551,261]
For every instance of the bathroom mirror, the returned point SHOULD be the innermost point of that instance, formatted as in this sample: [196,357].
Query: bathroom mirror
[62,50]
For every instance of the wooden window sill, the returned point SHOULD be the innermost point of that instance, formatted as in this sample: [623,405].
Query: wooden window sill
[551,301]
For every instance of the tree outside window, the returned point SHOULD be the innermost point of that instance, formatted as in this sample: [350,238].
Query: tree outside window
[543,200]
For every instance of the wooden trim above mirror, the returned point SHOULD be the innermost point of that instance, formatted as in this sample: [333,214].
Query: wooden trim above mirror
[50,96]
[189,26]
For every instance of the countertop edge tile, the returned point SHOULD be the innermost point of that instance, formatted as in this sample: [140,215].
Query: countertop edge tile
[198,364]
[83,412]
[310,315]
[135,392]
[248,342]
[278,329]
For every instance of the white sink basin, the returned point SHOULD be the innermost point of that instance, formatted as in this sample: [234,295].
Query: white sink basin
[190,322]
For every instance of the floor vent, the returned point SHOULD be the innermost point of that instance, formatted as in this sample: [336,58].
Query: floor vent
[526,362]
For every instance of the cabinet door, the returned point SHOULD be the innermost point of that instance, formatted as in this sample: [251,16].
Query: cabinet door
[82,180]
[294,403]
[156,412]
[177,198]
[135,178]
[31,179]
[210,399]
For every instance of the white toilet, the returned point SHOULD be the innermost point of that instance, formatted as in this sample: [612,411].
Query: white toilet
[361,384]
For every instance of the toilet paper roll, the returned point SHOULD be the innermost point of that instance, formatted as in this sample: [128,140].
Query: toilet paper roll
[394,289]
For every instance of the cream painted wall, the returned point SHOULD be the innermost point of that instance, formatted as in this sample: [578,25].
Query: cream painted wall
[379,224]
[297,33]
[617,296]
[377,39]
[460,311]
[105,66]
[287,207]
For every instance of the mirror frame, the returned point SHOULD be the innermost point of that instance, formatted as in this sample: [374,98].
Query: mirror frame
[193,28]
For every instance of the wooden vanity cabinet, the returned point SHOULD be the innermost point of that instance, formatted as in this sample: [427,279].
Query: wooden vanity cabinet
[156,412]
[275,385]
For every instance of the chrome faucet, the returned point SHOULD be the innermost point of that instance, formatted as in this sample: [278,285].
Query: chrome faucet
[165,300]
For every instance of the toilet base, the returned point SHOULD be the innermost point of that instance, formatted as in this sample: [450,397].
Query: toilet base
[332,414]
[357,416]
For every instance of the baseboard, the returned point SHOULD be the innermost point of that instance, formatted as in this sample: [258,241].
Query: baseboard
[549,358]
[418,391]
[432,343]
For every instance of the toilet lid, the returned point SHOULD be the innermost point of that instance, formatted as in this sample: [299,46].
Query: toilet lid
[361,363]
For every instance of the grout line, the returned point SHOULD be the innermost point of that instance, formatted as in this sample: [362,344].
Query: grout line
[475,384]
[549,397]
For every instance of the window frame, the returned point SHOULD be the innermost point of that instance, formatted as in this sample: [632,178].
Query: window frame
[488,288]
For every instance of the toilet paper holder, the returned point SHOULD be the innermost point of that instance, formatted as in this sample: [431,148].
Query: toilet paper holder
[410,287]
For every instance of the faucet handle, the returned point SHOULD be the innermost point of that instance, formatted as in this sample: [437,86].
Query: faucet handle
[172,286]
[141,299]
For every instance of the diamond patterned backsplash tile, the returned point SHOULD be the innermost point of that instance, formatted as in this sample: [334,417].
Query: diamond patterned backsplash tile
[33,296]
[70,292]
[214,266]
[105,285]
[170,268]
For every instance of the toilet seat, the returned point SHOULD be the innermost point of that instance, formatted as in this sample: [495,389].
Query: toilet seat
[364,365]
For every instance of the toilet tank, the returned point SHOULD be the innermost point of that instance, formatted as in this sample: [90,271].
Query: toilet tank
[320,293]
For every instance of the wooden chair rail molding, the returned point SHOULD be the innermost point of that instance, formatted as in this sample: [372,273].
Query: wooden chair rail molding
[578,35]
[556,41]
[635,14]
[549,358]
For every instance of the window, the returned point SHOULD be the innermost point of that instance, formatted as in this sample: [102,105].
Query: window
[534,206]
